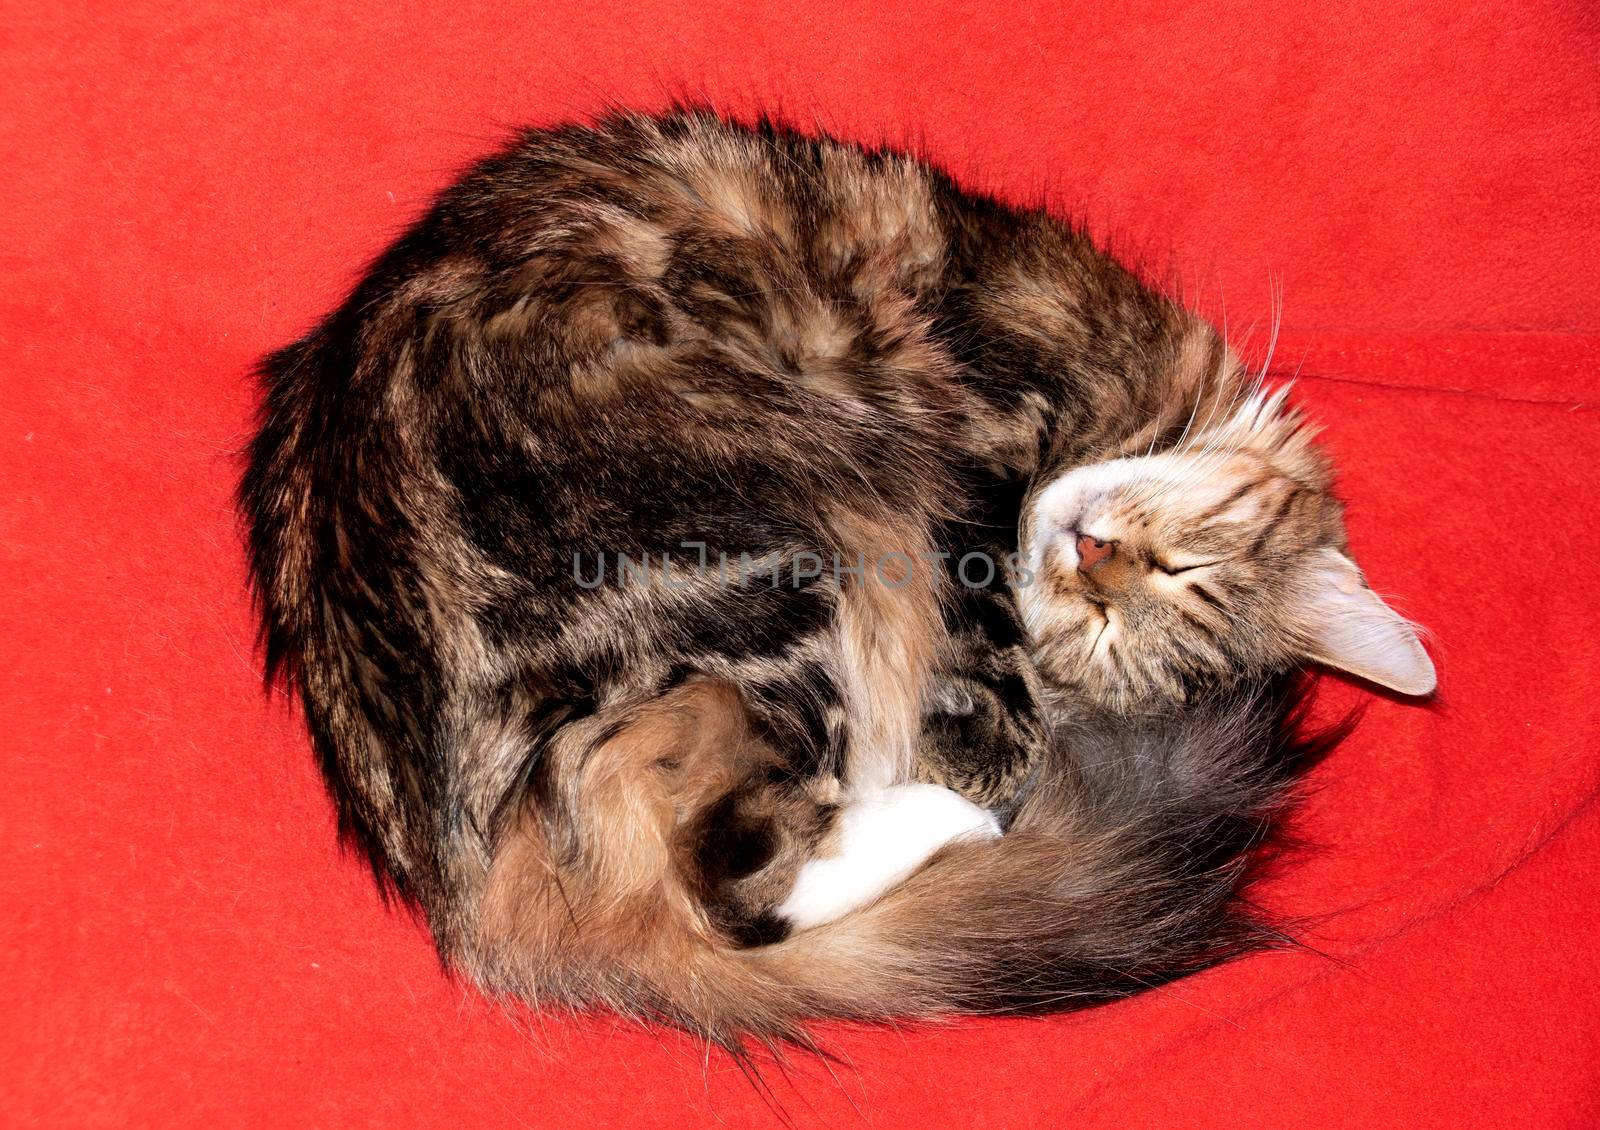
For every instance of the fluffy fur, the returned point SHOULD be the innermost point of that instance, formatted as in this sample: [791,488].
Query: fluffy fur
[657,333]
[1121,871]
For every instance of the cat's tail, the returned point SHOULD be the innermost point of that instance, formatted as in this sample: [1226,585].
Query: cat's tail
[1122,870]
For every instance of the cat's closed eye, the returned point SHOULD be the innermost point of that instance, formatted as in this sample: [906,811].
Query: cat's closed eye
[1175,568]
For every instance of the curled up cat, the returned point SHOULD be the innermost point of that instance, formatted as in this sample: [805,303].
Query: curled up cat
[839,371]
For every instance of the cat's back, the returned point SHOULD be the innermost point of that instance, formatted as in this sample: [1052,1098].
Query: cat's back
[689,176]
[666,308]
[620,338]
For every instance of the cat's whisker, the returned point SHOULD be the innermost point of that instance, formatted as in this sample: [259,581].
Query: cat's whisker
[1275,289]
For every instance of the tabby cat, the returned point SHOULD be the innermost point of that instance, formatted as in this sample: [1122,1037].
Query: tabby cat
[678,341]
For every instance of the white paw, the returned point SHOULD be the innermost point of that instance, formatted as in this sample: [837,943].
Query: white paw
[882,838]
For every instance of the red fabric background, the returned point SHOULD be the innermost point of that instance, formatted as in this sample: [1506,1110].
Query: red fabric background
[184,186]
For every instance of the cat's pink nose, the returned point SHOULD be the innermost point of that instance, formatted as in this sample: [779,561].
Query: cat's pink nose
[1092,551]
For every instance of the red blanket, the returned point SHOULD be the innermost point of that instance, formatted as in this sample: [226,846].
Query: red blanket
[185,186]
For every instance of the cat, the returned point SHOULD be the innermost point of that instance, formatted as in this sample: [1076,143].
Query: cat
[836,369]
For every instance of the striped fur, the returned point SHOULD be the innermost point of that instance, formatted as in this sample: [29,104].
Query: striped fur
[678,338]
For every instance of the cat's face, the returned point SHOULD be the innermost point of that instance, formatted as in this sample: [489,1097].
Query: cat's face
[1222,559]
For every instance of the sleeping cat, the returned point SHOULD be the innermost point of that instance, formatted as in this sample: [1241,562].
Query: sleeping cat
[659,332]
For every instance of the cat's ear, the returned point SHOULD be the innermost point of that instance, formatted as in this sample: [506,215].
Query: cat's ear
[1348,627]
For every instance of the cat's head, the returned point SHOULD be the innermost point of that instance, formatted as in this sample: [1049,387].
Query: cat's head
[1222,558]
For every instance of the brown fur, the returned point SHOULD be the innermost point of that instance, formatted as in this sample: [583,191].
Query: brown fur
[625,338]
[1082,886]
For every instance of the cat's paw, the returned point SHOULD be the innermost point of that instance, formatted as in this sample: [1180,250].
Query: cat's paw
[879,840]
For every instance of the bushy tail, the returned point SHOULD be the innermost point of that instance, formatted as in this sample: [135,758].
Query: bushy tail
[1122,870]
